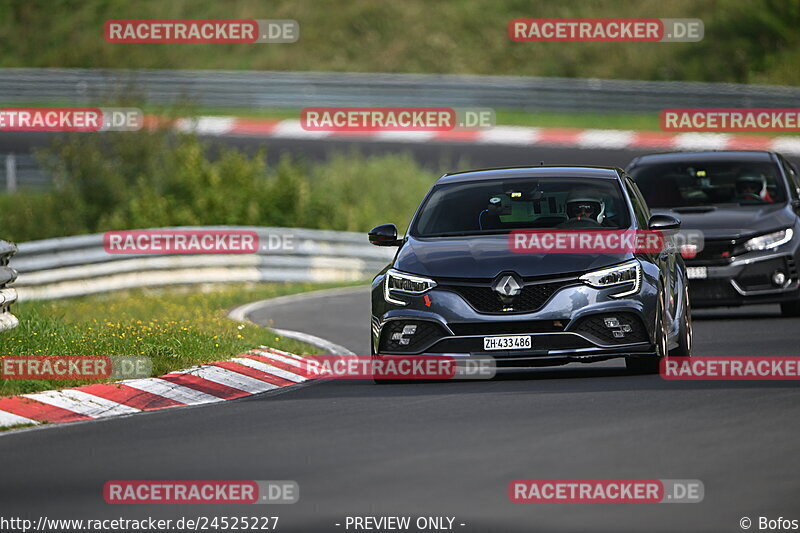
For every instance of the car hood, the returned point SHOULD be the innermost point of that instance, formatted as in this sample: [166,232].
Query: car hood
[486,256]
[733,222]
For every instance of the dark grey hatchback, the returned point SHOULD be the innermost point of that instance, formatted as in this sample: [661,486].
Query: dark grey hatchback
[457,287]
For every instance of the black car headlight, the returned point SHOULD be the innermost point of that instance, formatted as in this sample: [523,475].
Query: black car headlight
[769,241]
[398,283]
[628,276]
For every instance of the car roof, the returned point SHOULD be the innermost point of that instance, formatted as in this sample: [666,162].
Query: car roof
[551,171]
[708,155]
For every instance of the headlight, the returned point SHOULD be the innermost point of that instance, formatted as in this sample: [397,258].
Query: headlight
[628,274]
[770,240]
[396,282]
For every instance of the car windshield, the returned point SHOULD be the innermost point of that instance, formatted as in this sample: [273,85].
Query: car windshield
[708,183]
[498,206]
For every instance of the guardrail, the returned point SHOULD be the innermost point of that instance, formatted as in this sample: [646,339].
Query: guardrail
[266,89]
[7,295]
[76,266]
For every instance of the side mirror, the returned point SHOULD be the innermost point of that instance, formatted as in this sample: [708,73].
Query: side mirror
[796,206]
[663,223]
[384,235]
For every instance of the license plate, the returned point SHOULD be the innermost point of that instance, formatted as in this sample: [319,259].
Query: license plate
[697,272]
[510,342]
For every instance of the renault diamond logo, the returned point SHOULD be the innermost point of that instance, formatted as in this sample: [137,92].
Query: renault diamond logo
[507,286]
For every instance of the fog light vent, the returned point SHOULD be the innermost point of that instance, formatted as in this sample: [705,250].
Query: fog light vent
[779,278]
[620,328]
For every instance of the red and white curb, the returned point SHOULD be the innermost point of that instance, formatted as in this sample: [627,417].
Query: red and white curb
[499,135]
[260,370]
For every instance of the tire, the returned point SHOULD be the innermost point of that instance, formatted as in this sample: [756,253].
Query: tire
[790,309]
[685,335]
[650,364]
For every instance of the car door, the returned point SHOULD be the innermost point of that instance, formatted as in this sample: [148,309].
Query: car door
[667,259]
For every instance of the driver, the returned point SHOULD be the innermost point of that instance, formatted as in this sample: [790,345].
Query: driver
[582,205]
[751,187]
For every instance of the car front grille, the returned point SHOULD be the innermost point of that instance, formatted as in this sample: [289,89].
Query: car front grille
[716,252]
[485,300]
[712,289]
[506,328]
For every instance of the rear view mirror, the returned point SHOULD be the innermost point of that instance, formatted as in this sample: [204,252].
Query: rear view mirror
[663,223]
[384,235]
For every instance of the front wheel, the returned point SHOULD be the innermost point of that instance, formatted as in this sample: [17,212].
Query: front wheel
[684,348]
[650,364]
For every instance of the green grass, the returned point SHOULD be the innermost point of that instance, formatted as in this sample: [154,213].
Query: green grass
[745,41]
[176,328]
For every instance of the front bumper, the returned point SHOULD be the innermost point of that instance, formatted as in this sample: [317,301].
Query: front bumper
[745,280]
[570,326]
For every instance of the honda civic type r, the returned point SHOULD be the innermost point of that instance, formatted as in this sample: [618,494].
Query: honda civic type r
[457,287]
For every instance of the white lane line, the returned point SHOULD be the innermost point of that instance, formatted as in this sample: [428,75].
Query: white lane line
[276,357]
[292,128]
[701,141]
[310,361]
[240,313]
[509,135]
[785,144]
[405,136]
[205,125]
[173,391]
[10,419]
[319,342]
[605,139]
[229,378]
[285,354]
[269,369]
[82,403]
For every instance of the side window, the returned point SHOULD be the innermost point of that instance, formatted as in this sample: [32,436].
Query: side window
[640,209]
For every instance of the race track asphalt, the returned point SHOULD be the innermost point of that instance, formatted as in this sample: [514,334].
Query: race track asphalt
[446,449]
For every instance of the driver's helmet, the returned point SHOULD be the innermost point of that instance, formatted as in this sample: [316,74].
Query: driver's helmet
[751,185]
[586,204]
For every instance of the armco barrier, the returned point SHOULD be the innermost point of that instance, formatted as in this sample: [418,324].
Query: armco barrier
[75,266]
[269,89]
[7,295]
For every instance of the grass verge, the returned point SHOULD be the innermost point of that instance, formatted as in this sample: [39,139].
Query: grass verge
[176,328]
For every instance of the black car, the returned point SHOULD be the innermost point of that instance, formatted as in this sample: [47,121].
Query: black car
[746,203]
[455,286]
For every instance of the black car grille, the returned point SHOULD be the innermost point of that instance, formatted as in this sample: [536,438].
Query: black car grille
[485,300]
[712,289]
[717,252]
[409,336]
[506,328]
[758,275]
[613,328]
